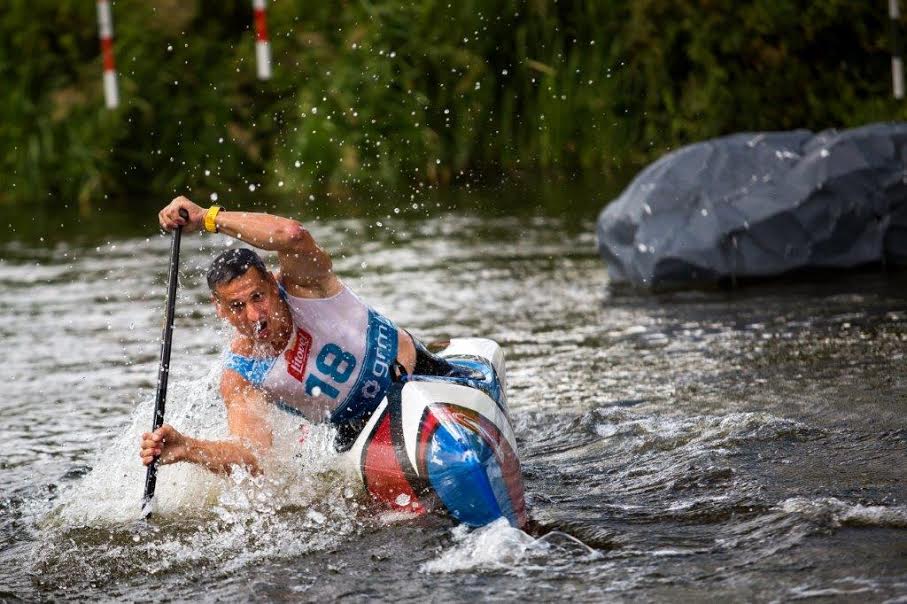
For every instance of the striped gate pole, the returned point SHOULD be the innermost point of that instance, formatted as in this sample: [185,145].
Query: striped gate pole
[897,67]
[105,33]
[262,46]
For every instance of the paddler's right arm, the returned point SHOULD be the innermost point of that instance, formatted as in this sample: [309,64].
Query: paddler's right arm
[305,268]
[246,418]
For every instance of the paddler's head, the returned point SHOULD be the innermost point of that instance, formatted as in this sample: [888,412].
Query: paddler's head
[246,294]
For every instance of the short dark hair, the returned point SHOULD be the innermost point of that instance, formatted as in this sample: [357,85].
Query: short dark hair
[234,263]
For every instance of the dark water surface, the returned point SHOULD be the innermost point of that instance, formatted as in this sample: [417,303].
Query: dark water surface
[747,445]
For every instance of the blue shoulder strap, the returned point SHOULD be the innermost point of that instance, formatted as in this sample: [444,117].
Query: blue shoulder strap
[253,370]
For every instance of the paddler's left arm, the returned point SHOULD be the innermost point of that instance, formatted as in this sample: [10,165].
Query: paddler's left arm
[167,445]
[246,419]
[303,264]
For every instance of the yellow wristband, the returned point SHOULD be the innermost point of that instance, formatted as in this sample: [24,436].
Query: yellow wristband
[210,215]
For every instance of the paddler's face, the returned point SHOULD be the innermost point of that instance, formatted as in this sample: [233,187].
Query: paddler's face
[252,304]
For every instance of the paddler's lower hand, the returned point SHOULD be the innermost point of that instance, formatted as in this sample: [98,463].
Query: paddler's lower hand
[170,217]
[164,443]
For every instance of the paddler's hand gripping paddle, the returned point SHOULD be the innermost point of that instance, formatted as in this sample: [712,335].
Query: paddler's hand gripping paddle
[163,371]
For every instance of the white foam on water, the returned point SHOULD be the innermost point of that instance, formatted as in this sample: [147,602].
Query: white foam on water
[683,454]
[829,592]
[306,499]
[671,552]
[111,492]
[839,589]
[691,459]
[666,432]
[391,517]
[833,513]
[495,546]
[498,546]
[792,520]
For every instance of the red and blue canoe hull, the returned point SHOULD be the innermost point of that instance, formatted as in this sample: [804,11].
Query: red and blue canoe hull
[447,444]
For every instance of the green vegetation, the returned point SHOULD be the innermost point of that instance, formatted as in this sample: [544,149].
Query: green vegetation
[402,93]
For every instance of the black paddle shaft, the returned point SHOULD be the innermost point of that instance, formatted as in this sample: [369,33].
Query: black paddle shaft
[164,367]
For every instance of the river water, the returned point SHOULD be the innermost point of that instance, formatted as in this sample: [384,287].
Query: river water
[747,445]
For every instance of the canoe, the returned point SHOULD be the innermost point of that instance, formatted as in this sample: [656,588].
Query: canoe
[446,444]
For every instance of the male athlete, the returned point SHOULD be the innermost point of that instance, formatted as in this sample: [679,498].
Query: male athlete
[303,341]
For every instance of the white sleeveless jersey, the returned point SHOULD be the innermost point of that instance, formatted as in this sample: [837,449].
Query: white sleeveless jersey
[337,364]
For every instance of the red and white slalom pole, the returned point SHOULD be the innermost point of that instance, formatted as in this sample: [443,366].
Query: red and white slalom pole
[262,45]
[105,33]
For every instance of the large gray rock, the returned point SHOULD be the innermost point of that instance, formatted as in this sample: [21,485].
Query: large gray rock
[757,205]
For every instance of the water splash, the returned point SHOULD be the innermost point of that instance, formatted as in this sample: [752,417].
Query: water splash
[500,547]
[306,499]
